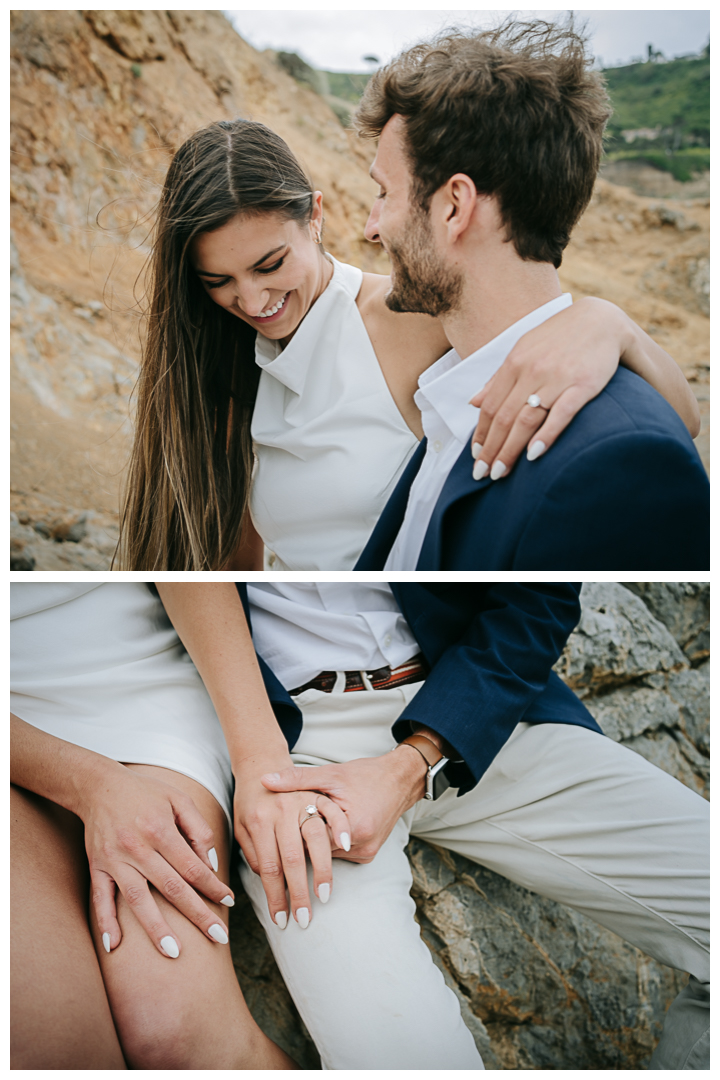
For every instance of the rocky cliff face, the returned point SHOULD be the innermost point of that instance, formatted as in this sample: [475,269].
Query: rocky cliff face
[99,100]
[540,985]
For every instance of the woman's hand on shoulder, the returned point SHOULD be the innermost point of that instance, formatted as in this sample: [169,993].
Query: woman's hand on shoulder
[564,362]
[267,827]
[139,830]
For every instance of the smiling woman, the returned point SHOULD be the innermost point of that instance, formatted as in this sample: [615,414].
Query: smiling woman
[272,292]
[190,468]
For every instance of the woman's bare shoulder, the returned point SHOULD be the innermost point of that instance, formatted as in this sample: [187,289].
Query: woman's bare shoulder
[410,327]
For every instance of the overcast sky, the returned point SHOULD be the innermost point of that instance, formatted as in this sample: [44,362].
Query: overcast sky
[338,40]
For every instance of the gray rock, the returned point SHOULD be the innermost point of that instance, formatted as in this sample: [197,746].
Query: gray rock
[551,987]
[616,641]
[666,751]
[690,690]
[684,607]
[631,710]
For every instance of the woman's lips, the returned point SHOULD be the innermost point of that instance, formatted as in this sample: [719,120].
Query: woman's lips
[276,309]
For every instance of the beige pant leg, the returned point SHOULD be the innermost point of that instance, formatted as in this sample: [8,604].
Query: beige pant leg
[360,975]
[576,817]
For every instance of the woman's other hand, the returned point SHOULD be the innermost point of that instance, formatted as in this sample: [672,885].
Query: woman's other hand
[139,830]
[267,827]
[565,362]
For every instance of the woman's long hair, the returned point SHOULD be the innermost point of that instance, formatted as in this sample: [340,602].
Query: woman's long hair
[189,477]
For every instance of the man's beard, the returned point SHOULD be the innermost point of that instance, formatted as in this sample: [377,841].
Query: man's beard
[420,282]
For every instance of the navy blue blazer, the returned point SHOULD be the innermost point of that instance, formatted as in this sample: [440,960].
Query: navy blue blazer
[622,488]
[490,649]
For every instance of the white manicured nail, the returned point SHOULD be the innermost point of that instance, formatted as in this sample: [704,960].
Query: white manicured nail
[497,470]
[212,856]
[303,917]
[217,933]
[324,892]
[228,901]
[476,450]
[480,468]
[281,919]
[345,840]
[106,942]
[536,450]
[170,947]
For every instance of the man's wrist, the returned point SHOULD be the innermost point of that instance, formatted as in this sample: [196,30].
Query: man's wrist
[412,772]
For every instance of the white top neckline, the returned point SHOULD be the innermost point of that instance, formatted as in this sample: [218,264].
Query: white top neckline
[329,439]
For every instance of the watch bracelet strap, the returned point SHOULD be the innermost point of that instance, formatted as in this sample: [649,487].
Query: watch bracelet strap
[411,741]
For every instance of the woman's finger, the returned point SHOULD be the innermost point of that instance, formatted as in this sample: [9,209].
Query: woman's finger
[292,853]
[490,398]
[195,829]
[514,416]
[269,867]
[135,889]
[522,435]
[247,847]
[174,887]
[317,841]
[102,894]
[338,821]
[565,409]
[173,850]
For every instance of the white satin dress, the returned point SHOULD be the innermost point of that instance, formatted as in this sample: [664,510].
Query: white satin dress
[329,439]
[101,666]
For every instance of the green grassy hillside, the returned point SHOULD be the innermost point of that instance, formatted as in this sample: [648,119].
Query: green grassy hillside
[674,96]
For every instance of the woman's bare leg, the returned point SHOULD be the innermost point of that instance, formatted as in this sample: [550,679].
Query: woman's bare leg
[187,1013]
[60,1017]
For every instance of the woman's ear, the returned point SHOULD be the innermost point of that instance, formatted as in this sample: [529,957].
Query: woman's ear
[317,209]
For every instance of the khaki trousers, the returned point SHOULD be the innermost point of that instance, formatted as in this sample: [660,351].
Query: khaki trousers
[563,811]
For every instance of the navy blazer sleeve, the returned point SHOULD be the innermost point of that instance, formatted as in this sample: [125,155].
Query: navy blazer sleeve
[647,508]
[481,685]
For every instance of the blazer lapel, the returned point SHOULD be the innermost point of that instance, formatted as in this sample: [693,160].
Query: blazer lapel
[458,484]
[377,549]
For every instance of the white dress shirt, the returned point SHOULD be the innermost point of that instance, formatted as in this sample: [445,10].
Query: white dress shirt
[448,421]
[301,630]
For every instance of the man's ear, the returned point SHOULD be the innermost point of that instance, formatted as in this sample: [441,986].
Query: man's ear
[459,204]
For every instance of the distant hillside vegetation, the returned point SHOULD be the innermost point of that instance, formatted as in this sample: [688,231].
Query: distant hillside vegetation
[671,98]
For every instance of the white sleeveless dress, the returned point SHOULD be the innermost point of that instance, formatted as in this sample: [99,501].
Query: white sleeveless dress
[101,666]
[329,439]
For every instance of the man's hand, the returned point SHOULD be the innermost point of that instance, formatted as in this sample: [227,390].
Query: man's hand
[373,792]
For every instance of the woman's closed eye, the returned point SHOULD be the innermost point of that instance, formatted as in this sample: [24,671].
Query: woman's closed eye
[216,284]
[271,269]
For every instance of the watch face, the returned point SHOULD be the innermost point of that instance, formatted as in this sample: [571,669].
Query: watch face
[440,784]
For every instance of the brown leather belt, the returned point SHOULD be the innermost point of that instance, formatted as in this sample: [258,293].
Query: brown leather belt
[383,678]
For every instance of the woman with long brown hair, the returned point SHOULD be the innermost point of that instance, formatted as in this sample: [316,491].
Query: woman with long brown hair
[275,401]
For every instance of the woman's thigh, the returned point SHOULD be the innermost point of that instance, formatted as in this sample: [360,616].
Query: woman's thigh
[60,1017]
[362,978]
[187,1012]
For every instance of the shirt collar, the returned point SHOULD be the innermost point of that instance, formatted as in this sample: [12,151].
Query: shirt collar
[448,385]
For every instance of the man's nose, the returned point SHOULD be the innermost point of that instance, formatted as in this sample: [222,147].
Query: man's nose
[371,227]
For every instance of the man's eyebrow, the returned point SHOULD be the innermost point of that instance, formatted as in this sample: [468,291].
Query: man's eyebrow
[209,273]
